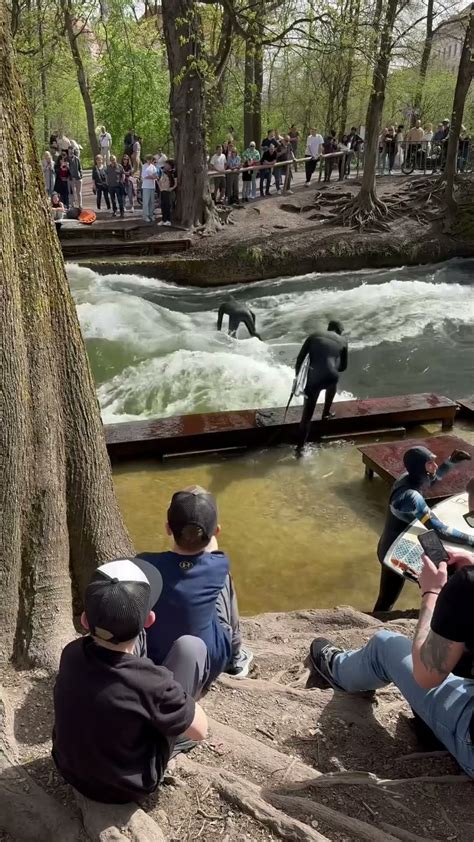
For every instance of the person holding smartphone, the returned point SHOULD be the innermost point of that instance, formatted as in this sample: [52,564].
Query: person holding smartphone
[407,504]
[425,670]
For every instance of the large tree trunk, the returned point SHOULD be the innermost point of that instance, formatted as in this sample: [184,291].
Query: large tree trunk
[43,79]
[258,89]
[465,73]
[249,93]
[184,38]
[366,209]
[59,514]
[82,80]
[425,59]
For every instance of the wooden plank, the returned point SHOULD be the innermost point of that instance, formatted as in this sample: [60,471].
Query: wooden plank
[466,406]
[99,248]
[386,460]
[263,427]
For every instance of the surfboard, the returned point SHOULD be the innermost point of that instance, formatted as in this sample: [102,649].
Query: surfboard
[300,384]
[404,556]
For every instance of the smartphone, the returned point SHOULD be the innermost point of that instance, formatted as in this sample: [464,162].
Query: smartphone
[469,518]
[433,547]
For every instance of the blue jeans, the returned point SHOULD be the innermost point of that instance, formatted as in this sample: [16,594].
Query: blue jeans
[447,709]
[148,204]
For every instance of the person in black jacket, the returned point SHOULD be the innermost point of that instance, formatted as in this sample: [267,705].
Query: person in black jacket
[268,159]
[99,182]
[327,352]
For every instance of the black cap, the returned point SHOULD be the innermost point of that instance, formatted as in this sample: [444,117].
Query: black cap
[119,598]
[193,506]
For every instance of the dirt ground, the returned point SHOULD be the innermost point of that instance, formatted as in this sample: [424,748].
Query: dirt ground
[281,762]
[291,235]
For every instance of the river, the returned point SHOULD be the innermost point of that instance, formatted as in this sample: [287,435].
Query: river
[299,534]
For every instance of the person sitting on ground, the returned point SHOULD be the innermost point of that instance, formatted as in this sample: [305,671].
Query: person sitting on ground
[198,596]
[119,718]
[238,312]
[99,182]
[217,163]
[407,504]
[314,145]
[426,669]
[57,210]
[167,185]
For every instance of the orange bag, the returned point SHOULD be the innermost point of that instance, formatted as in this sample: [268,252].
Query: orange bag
[87,217]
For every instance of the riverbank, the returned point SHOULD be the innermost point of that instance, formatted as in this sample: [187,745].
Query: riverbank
[281,762]
[279,236]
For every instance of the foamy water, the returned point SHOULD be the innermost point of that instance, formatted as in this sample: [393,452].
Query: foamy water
[155,350]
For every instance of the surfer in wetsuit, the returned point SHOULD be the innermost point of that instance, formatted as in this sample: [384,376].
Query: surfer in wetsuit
[238,312]
[407,504]
[327,352]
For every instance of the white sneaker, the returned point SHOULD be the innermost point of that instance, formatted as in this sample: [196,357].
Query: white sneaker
[166,223]
[162,223]
[240,667]
[306,184]
[278,192]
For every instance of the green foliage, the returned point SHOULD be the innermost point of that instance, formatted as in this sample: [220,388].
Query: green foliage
[131,89]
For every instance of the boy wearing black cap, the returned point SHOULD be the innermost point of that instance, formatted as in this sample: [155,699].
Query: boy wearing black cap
[117,715]
[198,598]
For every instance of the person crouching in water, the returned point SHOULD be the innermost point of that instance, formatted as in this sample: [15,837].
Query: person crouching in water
[327,352]
[167,185]
[407,504]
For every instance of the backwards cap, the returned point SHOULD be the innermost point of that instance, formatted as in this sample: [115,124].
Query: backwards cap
[119,598]
[196,507]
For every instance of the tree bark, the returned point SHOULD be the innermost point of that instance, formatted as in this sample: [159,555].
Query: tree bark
[249,92]
[258,89]
[376,102]
[425,59]
[60,518]
[82,80]
[43,79]
[184,45]
[463,82]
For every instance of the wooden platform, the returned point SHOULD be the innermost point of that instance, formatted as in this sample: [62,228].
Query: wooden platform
[466,407]
[264,427]
[386,460]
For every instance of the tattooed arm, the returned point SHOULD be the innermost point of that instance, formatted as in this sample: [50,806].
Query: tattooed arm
[434,656]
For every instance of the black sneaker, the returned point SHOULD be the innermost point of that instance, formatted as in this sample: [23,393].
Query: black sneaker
[319,660]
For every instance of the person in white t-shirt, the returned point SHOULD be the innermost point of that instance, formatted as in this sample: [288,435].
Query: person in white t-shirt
[314,145]
[105,143]
[149,176]
[217,163]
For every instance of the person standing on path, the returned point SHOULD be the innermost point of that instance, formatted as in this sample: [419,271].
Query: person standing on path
[105,143]
[128,185]
[75,175]
[47,166]
[167,184]
[253,156]
[314,145]
[61,185]
[217,163]
[99,182]
[232,176]
[294,135]
[115,179]
[149,177]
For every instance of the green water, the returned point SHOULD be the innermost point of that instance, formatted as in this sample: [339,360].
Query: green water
[300,534]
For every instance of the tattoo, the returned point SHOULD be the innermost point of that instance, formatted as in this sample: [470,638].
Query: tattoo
[434,653]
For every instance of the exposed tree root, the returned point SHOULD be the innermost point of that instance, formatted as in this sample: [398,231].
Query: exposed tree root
[117,822]
[405,835]
[365,211]
[349,778]
[307,809]
[246,796]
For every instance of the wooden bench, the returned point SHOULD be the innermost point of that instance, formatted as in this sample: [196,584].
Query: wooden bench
[264,427]
[386,460]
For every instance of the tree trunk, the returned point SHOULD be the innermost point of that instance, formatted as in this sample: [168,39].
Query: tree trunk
[82,80]
[43,79]
[249,93]
[463,82]
[376,102]
[354,11]
[184,40]
[258,89]
[59,514]
[425,59]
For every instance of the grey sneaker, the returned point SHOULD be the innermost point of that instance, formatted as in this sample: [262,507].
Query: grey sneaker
[319,660]
[240,667]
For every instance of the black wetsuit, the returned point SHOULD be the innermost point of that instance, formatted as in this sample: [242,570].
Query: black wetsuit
[238,313]
[327,358]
